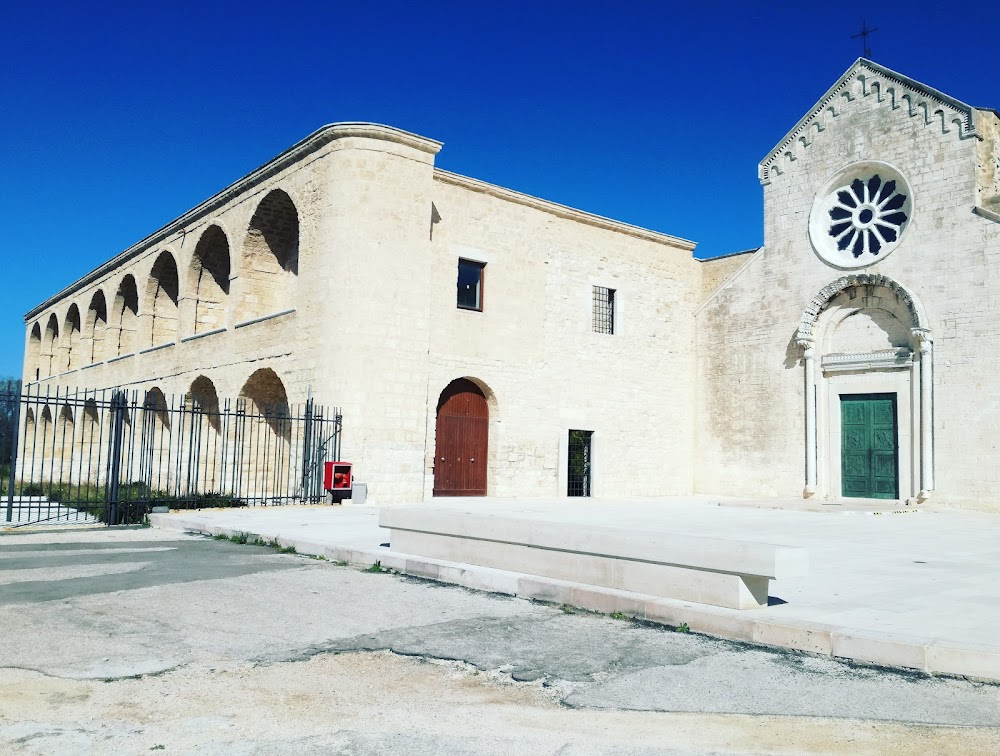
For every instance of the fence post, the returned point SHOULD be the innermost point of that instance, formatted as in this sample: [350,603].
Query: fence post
[14,434]
[118,408]
[307,452]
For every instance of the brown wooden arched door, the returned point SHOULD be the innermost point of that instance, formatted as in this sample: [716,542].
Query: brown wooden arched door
[463,427]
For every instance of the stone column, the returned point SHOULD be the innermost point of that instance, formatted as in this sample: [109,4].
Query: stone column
[84,351]
[926,416]
[915,444]
[810,395]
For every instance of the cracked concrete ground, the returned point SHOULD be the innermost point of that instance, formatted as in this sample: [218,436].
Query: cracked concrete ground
[130,640]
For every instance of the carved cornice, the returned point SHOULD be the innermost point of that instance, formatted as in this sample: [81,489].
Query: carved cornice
[807,324]
[880,359]
[869,79]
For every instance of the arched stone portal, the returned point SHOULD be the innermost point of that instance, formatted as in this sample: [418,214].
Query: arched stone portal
[266,393]
[33,358]
[155,450]
[96,327]
[868,409]
[208,282]
[70,346]
[263,437]
[203,437]
[270,261]
[50,346]
[461,440]
[125,319]
[162,295]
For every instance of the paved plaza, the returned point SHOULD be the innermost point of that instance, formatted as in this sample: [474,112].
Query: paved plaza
[132,641]
[906,587]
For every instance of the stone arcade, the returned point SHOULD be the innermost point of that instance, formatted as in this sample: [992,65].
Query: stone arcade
[853,355]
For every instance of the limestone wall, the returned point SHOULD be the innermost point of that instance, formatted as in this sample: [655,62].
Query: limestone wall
[337,270]
[371,338]
[534,348]
[715,271]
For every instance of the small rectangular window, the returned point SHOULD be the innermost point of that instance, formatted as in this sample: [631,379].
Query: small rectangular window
[579,457]
[604,310]
[470,285]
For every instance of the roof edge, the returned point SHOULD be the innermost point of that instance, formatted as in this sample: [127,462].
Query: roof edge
[315,141]
[562,211]
[729,254]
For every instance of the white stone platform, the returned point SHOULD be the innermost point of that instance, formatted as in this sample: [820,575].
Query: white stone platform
[652,561]
[900,587]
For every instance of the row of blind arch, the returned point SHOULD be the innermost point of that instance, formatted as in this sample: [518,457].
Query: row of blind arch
[67,439]
[269,268]
[263,390]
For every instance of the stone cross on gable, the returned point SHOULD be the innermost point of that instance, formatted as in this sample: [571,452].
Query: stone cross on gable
[863,36]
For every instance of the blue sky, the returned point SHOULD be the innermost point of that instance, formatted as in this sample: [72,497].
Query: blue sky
[119,117]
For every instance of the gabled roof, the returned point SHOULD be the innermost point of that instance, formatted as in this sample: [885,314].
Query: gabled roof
[894,90]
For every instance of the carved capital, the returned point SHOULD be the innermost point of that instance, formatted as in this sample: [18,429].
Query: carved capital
[924,339]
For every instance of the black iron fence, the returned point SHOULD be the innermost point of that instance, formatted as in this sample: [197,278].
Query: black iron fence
[109,456]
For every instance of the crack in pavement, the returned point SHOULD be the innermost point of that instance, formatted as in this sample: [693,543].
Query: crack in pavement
[530,648]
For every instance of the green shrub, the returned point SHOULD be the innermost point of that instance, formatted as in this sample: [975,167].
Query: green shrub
[211,499]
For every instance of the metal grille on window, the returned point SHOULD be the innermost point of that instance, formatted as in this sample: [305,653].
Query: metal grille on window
[578,478]
[604,310]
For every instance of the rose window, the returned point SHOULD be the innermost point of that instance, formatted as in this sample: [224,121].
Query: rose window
[861,216]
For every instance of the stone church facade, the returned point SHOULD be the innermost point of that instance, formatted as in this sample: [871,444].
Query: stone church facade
[477,339]
[876,291]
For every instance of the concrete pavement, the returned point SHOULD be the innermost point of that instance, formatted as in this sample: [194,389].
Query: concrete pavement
[128,641]
[901,588]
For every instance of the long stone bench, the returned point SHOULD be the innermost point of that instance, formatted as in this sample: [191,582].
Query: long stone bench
[734,574]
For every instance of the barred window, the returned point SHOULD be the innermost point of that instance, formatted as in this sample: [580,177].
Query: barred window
[604,310]
[579,455]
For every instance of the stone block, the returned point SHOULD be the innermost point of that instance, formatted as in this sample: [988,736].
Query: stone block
[422,568]
[555,591]
[813,637]
[604,557]
[969,661]
[883,649]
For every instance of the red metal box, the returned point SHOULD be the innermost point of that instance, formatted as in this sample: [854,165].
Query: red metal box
[337,476]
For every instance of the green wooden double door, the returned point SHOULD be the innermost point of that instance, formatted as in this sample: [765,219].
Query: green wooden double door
[869,454]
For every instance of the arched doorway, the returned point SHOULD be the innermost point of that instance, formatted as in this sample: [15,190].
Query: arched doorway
[867,352]
[462,440]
